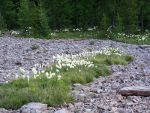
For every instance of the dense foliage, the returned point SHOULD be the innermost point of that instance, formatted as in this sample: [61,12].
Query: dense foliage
[123,15]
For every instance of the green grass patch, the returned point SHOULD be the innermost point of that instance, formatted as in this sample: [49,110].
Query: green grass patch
[75,35]
[133,39]
[53,91]
[50,91]
[141,38]
[112,59]
[83,74]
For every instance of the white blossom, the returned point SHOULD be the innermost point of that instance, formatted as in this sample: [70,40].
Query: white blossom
[34,71]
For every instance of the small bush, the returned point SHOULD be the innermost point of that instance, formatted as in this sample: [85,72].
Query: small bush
[34,47]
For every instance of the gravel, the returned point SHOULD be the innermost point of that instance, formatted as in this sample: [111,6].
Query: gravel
[100,96]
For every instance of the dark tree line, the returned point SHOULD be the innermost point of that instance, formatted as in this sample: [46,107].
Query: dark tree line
[124,15]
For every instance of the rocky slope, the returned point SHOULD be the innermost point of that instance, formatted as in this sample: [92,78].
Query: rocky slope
[100,96]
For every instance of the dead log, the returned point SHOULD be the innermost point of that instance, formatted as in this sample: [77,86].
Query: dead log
[135,91]
[144,46]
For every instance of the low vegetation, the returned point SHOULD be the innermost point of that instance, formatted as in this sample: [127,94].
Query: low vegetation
[53,84]
[96,34]
[34,47]
[131,38]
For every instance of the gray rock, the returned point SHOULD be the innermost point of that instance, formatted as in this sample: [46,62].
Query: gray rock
[88,110]
[79,104]
[77,86]
[96,90]
[146,71]
[81,96]
[62,111]
[34,108]
[71,107]
[2,110]
[121,110]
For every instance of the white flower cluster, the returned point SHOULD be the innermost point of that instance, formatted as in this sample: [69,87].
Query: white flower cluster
[68,61]
[103,51]
[15,33]
[71,61]
[65,30]
[110,51]
[138,37]
[37,74]
[76,29]
[81,59]
[53,34]
[92,29]
[28,30]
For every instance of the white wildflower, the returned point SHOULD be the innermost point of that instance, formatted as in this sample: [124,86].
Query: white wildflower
[22,70]
[59,77]
[16,76]
[47,74]
[57,70]
[43,71]
[28,78]
[52,74]
[34,71]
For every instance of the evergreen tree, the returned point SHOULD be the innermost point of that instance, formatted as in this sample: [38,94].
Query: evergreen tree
[35,20]
[2,22]
[24,20]
[144,14]
[133,18]
[104,26]
[9,13]
[43,23]
[39,21]
[128,12]
[104,22]
[119,24]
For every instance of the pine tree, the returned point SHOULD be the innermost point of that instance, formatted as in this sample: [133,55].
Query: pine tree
[119,24]
[39,21]
[24,16]
[2,22]
[128,12]
[104,22]
[35,20]
[133,19]
[43,23]
[9,13]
